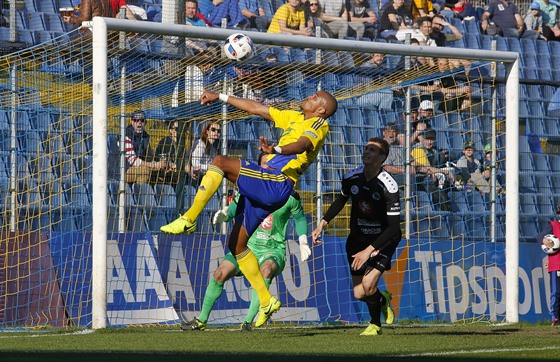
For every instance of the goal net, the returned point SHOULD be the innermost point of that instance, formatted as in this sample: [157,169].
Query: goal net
[80,239]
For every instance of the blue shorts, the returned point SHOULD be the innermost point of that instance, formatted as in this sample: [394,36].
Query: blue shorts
[262,191]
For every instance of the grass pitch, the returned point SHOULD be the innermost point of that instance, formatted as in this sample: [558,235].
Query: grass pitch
[450,343]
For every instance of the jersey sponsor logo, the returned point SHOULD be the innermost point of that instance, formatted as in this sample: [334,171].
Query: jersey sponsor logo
[376,196]
[365,207]
[267,222]
[312,134]
[354,190]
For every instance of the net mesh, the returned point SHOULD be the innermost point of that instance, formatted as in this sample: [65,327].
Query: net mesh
[46,108]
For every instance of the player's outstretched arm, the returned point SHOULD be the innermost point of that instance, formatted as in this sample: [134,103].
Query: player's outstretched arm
[333,210]
[243,104]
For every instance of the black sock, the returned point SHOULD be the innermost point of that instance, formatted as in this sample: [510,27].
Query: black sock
[374,306]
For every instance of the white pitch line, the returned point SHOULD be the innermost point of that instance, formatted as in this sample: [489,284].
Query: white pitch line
[46,334]
[478,351]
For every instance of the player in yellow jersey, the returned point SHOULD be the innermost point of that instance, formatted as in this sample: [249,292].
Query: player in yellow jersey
[263,190]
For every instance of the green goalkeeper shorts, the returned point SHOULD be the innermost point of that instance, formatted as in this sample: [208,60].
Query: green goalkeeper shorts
[278,256]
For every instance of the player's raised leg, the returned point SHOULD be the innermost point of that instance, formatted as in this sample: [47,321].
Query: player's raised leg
[221,167]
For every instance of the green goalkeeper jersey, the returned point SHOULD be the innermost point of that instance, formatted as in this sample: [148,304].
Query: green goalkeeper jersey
[271,233]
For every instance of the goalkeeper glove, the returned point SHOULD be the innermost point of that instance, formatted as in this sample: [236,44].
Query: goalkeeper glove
[304,250]
[220,216]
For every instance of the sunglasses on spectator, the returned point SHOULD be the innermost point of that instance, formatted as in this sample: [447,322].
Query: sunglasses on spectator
[215,130]
[139,120]
[313,4]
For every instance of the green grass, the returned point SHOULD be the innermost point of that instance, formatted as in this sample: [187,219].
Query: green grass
[451,343]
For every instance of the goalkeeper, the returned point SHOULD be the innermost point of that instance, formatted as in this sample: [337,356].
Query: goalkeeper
[268,243]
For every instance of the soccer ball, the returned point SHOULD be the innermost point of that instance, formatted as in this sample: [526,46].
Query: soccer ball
[238,47]
[551,244]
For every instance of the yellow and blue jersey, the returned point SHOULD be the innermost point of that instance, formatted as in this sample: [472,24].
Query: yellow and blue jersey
[295,126]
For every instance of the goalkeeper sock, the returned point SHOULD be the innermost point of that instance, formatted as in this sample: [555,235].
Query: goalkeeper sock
[213,292]
[374,307]
[208,187]
[250,268]
[255,303]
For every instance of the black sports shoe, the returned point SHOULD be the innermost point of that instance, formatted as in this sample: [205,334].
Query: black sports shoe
[194,325]
[246,327]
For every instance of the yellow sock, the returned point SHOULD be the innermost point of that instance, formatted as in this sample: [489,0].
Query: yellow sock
[208,187]
[250,268]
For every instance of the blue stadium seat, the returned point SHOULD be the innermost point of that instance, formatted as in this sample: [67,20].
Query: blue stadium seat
[542,181]
[422,202]
[458,202]
[472,41]
[36,21]
[546,205]
[336,134]
[475,202]
[526,182]
[475,227]
[456,226]
[353,155]
[472,28]
[528,229]
[540,162]
[48,6]
[528,204]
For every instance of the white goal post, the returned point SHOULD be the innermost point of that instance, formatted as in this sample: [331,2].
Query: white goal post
[102,26]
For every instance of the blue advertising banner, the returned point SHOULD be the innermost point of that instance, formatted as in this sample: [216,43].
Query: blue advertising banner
[443,281]
[135,291]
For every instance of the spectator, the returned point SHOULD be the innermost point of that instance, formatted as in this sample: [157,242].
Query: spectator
[438,24]
[425,26]
[421,123]
[361,12]
[553,267]
[549,12]
[416,62]
[470,169]
[395,18]
[138,153]
[455,96]
[87,10]
[166,151]
[461,9]
[432,175]
[421,9]
[501,17]
[289,19]
[317,18]
[216,10]
[395,162]
[487,168]
[381,98]
[341,24]
[203,74]
[206,148]
[192,18]
[254,12]
[117,5]
[534,20]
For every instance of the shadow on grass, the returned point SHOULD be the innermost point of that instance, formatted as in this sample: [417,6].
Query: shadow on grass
[207,357]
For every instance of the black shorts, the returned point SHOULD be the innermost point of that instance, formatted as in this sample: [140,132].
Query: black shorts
[381,261]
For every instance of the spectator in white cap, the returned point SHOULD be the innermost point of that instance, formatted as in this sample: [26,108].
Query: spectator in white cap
[422,123]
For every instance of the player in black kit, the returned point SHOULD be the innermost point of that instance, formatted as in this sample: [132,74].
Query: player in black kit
[374,229]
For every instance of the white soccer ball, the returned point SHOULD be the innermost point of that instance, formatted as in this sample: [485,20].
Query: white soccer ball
[551,244]
[238,47]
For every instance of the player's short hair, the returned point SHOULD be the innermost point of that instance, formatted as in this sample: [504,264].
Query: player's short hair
[383,145]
